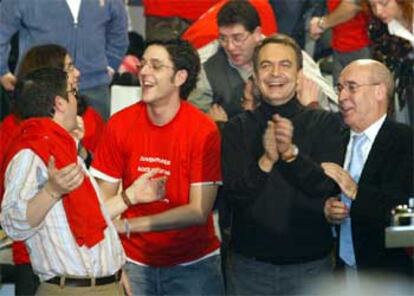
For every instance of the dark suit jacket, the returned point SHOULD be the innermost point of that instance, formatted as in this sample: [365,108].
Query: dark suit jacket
[386,181]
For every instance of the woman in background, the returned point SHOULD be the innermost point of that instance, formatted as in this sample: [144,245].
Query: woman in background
[54,56]
[392,34]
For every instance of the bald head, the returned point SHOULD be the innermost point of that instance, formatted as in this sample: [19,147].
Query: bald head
[375,72]
[366,86]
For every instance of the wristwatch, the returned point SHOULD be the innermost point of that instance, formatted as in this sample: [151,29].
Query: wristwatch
[294,151]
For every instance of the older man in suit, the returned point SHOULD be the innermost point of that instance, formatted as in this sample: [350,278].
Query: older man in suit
[377,173]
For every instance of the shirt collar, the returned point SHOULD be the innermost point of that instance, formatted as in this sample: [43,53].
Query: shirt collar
[372,131]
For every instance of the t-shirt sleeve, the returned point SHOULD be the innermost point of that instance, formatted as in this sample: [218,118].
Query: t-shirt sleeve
[206,152]
[107,163]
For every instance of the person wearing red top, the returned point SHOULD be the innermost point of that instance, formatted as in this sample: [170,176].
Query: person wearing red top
[50,201]
[47,55]
[349,24]
[165,19]
[170,244]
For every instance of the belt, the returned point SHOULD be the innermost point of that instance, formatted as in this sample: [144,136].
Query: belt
[85,282]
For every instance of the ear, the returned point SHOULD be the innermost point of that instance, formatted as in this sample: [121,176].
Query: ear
[381,92]
[257,33]
[60,104]
[180,77]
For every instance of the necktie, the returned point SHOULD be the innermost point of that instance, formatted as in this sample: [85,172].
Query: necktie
[356,163]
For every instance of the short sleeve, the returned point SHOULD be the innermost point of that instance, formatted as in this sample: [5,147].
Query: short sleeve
[205,156]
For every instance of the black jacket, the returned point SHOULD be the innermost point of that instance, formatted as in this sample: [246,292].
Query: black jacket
[278,217]
[386,181]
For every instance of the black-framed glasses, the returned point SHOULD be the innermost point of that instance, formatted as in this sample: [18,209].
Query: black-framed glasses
[154,65]
[236,39]
[351,86]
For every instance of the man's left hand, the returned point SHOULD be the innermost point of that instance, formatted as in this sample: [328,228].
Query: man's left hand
[283,133]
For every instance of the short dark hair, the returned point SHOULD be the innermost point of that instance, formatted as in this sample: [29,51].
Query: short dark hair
[184,57]
[278,39]
[35,93]
[238,12]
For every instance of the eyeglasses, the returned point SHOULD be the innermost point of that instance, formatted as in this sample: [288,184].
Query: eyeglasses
[236,39]
[351,87]
[154,65]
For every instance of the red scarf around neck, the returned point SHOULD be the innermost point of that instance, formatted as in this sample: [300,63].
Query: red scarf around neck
[46,138]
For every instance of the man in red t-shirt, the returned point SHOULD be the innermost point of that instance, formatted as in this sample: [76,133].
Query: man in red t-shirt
[170,244]
[349,25]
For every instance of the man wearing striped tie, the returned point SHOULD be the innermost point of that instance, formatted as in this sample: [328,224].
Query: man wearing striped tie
[376,175]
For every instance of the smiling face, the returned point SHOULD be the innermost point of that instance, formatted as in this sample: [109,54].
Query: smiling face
[277,73]
[386,10]
[158,77]
[362,100]
[238,43]
[73,72]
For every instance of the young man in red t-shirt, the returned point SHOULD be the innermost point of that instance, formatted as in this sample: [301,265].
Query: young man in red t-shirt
[170,244]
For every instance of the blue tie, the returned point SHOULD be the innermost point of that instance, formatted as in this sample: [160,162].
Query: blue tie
[356,163]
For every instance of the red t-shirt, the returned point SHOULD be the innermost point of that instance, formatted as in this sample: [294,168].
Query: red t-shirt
[351,35]
[94,125]
[187,149]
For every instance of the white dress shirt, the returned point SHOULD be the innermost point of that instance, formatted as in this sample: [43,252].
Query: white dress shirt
[52,247]
[371,133]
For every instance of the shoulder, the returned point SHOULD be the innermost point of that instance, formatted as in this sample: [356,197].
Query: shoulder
[127,115]
[320,117]
[245,122]
[195,118]
[219,56]
[24,160]
[399,131]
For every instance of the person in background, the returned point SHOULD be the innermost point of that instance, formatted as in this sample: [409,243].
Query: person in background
[223,76]
[392,33]
[93,31]
[350,40]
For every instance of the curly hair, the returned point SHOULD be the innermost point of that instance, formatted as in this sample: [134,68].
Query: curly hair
[184,57]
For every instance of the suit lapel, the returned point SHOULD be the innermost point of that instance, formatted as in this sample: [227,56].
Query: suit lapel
[377,155]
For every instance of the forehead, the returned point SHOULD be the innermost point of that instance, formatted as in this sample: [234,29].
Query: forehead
[156,52]
[231,30]
[355,73]
[277,52]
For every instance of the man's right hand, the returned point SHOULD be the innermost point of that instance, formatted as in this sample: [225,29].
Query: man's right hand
[146,188]
[8,81]
[335,210]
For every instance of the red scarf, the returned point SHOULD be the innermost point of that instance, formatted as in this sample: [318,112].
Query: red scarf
[46,138]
